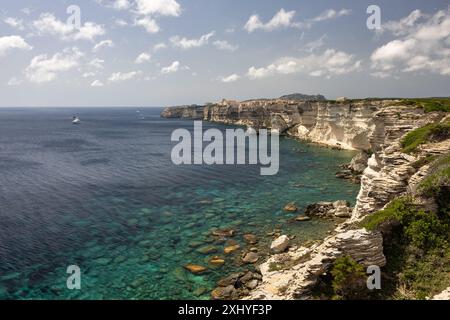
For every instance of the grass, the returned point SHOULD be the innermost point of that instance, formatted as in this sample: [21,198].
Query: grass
[428,133]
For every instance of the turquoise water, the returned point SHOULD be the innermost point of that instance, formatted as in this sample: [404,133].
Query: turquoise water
[105,196]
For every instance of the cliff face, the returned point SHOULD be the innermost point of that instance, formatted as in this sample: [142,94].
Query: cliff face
[374,125]
[186,112]
[346,125]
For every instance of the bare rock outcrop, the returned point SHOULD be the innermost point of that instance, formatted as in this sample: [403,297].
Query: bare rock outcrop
[444,295]
[309,263]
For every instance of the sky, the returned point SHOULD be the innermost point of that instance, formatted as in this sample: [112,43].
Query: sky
[173,52]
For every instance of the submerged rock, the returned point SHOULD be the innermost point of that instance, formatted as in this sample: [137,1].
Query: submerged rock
[250,238]
[302,218]
[195,268]
[290,207]
[217,261]
[250,257]
[319,209]
[280,244]
[231,249]
[223,233]
[232,279]
[207,250]
[221,293]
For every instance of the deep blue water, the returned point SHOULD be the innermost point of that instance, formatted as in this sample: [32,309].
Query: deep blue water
[105,196]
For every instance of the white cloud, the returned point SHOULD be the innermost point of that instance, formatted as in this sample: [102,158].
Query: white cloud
[159,46]
[97,83]
[158,7]
[231,78]
[14,23]
[143,57]
[26,11]
[14,82]
[49,24]
[148,24]
[174,67]
[89,31]
[119,76]
[45,69]
[121,22]
[13,42]
[225,45]
[331,14]
[404,25]
[423,45]
[282,19]
[103,44]
[329,63]
[315,44]
[96,63]
[88,74]
[185,43]
[116,4]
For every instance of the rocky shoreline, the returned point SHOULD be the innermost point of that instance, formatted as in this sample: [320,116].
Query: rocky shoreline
[374,127]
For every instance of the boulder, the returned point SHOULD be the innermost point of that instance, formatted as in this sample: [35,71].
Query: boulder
[250,238]
[221,293]
[252,284]
[231,249]
[250,257]
[290,207]
[223,232]
[232,279]
[359,162]
[280,244]
[217,261]
[195,268]
[319,209]
[207,250]
[342,209]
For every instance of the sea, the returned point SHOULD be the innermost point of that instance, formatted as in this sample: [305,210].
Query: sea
[104,196]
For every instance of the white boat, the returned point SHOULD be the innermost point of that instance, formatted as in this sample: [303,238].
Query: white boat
[76,120]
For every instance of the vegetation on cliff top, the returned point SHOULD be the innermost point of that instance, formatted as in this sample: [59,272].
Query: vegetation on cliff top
[430,133]
[428,104]
[417,242]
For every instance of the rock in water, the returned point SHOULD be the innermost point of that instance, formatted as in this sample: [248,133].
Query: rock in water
[280,244]
[195,268]
[221,293]
[302,218]
[231,249]
[250,238]
[223,233]
[290,207]
[217,261]
[319,209]
[250,257]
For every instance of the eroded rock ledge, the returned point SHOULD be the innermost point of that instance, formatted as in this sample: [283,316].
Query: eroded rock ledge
[344,124]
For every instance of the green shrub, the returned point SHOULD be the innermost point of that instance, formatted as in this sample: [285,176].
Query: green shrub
[431,132]
[349,279]
[422,229]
